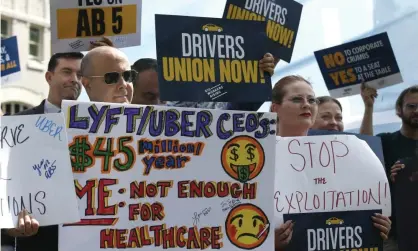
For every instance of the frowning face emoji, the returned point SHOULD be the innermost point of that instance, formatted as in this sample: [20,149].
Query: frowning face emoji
[242,158]
[247,226]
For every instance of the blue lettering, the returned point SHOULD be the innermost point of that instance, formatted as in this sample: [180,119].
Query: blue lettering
[49,126]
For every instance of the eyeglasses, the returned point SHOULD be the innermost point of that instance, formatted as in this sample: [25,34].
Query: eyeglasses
[111,78]
[299,100]
[412,106]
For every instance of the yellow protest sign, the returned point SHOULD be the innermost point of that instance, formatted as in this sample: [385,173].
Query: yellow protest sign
[74,24]
[93,22]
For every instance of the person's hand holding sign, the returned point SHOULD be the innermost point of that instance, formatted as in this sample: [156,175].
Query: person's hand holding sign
[283,235]
[395,169]
[27,226]
[268,63]
[368,94]
[382,223]
[105,41]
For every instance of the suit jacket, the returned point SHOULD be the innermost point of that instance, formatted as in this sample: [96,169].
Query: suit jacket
[47,237]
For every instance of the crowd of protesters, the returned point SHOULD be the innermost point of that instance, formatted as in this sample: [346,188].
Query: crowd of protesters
[107,76]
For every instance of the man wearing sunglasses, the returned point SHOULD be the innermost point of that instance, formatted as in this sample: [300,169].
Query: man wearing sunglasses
[107,75]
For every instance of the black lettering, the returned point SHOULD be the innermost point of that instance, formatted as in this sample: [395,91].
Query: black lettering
[18,135]
[117,20]
[83,25]
[41,205]
[99,26]
[15,136]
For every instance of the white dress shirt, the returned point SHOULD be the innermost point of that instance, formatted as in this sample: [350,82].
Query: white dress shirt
[50,108]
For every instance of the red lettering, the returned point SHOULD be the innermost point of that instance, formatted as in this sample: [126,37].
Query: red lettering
[182,189]
[103,196]
[290,151]
[276,197]
[168,237]
[121,238]
[326,154]
[316,202]
[133,240]
[151,190]
[290,203]
[205,237]
[209,190]
[299,198]
[180,237]
[106,238]
[235,190]
[157,234]
[145,212]
[340,196]
[335,155]
[310,152]
[88,189]
[216,237]
[249,191]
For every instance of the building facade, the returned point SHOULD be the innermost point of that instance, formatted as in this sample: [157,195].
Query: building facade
[28,20]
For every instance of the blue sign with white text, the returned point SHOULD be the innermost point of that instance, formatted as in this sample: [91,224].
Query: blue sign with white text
[211,60]
[329,231]
[9,56]
[281,20]
[370,60]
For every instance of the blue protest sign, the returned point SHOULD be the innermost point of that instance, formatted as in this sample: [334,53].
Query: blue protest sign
[375,143]
[9,57]
[281,19]
[370,60]
[344,230]
[210,59]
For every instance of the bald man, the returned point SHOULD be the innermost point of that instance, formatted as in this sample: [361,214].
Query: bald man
[107,75]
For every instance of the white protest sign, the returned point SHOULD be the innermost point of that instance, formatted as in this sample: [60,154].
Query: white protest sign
[74,24]
[328,173]
[35,171]
[170,178]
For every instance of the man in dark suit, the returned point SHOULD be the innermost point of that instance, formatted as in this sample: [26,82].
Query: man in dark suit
[63,77]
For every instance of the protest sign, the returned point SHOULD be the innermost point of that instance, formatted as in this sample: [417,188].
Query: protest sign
[33,176]
[375,143]
[405,189]
[347,230]
[327,174]
[370,60]
[75,24]
[170,178]
[281,21]
[211,59]
[10,64]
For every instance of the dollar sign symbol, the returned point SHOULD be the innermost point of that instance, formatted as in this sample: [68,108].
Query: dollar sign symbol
[235,155]
[251,155]
[78,150]
[243,173]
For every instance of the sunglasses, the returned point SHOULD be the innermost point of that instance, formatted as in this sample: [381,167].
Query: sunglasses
[111,78]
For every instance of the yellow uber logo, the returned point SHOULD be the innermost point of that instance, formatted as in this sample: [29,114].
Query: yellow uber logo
[334,221]
[212,27]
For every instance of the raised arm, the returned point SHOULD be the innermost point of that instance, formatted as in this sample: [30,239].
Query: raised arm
[368,95]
